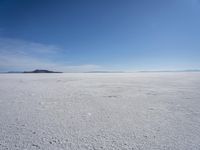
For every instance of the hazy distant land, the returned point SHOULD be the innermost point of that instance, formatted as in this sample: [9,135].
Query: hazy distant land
[34,71]
[104,71]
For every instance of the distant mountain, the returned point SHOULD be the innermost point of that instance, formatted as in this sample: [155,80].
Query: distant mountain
[13,72]
[41,71]
[192,70]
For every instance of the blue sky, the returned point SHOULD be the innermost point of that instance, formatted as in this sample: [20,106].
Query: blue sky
[87,35]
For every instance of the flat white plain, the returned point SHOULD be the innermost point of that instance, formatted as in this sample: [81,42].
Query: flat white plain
[136,111]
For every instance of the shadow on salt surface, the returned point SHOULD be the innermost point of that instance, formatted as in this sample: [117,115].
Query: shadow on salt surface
[48,104]
[111,96]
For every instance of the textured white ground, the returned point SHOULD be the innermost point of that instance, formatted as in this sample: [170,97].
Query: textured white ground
[138,111]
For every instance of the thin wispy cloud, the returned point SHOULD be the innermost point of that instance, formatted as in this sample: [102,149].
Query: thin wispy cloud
[16,54]
[9,45]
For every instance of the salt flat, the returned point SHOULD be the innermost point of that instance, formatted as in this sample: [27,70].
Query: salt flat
[136,111]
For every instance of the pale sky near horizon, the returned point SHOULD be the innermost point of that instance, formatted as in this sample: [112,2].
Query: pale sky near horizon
[88,35]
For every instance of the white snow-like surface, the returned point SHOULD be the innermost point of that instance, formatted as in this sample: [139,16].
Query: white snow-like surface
[133,111]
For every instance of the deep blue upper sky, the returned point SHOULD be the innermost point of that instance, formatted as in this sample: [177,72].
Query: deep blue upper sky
[83,35]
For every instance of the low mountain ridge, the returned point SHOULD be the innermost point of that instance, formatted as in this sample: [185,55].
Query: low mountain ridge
[41,71]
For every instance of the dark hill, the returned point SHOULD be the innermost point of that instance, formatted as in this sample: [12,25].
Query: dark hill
[41,71]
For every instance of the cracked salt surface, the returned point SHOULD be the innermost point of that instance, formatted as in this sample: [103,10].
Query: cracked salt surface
[133,111]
